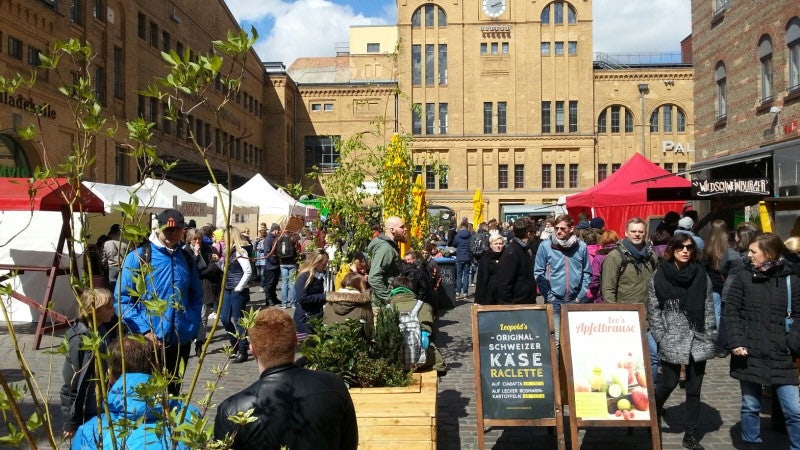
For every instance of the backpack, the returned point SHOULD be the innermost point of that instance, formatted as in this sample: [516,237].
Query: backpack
[285,248]
[412,351]
[479,243]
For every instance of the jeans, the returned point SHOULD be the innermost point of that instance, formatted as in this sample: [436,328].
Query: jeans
[751,408]
[462,276]
[654,361]
[473,271]
[233,304]
[269,281]
[175,357]
[717,306]
[695,371]
[287,284]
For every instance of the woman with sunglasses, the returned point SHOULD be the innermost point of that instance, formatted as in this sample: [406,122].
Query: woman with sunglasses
[761,303]
[680,312]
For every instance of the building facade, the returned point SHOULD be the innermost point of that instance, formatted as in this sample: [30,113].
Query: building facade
[127,38]
[747,92]
[504,96]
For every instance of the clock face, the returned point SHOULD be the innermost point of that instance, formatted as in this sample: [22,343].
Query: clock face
[494,8]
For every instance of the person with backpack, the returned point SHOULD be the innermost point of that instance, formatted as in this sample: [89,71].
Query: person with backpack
[478,246]
[416,270]
[406,301]
[272,269]
[627,271]
[463,259]
[287,251]
[172,278]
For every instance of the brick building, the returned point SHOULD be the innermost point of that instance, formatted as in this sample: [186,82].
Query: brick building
[506,96]
[128,38]
[747,91]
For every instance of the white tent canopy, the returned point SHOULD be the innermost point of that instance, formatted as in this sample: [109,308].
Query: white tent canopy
[113,194]
[273,206]
[209,194]
[192,207]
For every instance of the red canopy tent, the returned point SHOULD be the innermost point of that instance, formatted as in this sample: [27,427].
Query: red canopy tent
[624,195]
[53,194]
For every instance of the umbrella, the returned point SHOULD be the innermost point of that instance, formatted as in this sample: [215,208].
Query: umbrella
[419,213]
[477,209]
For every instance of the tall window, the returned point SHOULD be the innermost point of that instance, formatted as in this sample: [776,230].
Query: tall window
[416,18]
[559,48]
[545,117]
[615,119]
[442,18]
[118,76]
[33,56]
[793,44]
[97,10]
[416,64]
[502,176]
[601,122]
[558,13]
[430,117]
[487,118]
[501,117]
[765,57]
[429,73]
[573,176]
[100,84]
[494,48]
[154,110]
[416,119]
[628,121]
[484,48]
[654,121]
[573,47]
[681,121]
[504,48]
[429,15]
[166,41]
[321,152]
[153,34]
[547,180]
[559,117]
[442,118]
[14,48]
[75,11]
[444,172]
[667,111]
[602,172]
[559,176]
[430,178]
[141,25]
[442,64]
[722,104]
[573,116]
[519,176]
[545,18]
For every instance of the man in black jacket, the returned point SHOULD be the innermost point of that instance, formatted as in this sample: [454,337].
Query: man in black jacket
[515,283]
[294,407]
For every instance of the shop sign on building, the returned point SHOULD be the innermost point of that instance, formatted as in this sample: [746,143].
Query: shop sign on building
[711,188]
[680,148]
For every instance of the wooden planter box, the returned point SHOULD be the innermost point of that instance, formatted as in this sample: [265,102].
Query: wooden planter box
[398,418]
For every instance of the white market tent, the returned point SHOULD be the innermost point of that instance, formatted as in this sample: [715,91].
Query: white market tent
[274,207]
[192,207]
[309,213]
[113,194]
[242,212]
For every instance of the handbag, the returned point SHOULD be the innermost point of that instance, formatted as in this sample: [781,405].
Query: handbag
[788,321]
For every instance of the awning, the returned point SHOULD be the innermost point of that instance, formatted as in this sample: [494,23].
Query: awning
[741,157]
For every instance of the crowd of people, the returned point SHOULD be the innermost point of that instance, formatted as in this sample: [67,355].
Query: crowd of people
[733,294]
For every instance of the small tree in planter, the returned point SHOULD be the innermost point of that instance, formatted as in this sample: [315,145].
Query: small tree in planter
[340,348]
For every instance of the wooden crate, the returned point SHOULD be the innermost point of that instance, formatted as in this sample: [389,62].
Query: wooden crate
[398,418]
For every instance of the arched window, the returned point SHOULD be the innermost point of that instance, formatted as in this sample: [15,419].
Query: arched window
[558,8]
[721,76]
[669,119]
[621,120]
[765,57]
[793,44]
[432,14]
[13,162]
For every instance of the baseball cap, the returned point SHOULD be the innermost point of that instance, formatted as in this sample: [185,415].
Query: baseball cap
[170,218]
[583,225]
[597,222]
[686,223]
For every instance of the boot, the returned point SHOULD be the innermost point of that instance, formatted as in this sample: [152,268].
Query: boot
[690,442]
[241,356]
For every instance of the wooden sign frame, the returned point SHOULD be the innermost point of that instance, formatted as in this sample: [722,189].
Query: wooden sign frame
[612,324]
[558,418]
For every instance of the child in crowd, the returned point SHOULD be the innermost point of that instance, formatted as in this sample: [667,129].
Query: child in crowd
[351,302]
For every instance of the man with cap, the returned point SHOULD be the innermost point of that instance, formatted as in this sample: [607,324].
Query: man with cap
[171,278]
[271,270]
[685,226]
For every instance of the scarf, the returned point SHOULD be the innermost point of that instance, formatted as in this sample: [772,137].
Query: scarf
[766,266]
[562,245]
[687,286]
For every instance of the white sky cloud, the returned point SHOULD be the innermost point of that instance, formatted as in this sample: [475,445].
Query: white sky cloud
[314,27]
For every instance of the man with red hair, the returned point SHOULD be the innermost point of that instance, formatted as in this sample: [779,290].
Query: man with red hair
[295,407]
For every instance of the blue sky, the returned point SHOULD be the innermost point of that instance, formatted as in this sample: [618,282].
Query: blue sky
[290,29]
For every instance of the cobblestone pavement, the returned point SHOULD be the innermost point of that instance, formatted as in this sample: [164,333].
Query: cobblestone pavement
[456,421]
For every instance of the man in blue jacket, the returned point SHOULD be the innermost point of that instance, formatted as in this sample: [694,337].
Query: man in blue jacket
[172,278]
[562,269]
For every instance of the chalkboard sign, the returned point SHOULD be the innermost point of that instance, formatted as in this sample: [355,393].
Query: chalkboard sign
[516,370]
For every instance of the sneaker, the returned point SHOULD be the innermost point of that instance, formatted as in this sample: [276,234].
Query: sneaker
[691,442]
[198,347]
[242,357]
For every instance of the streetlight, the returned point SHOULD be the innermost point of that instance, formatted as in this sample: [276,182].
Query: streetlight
[643,89]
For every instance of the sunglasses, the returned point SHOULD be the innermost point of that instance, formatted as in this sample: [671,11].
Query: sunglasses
[688,247]
[562,228]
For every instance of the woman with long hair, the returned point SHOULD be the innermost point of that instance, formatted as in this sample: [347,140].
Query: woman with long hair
[762,303]
[721,262]
[680,312]
[608,240]
[237,294]
[309,289]
[486,287]
[744,235]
